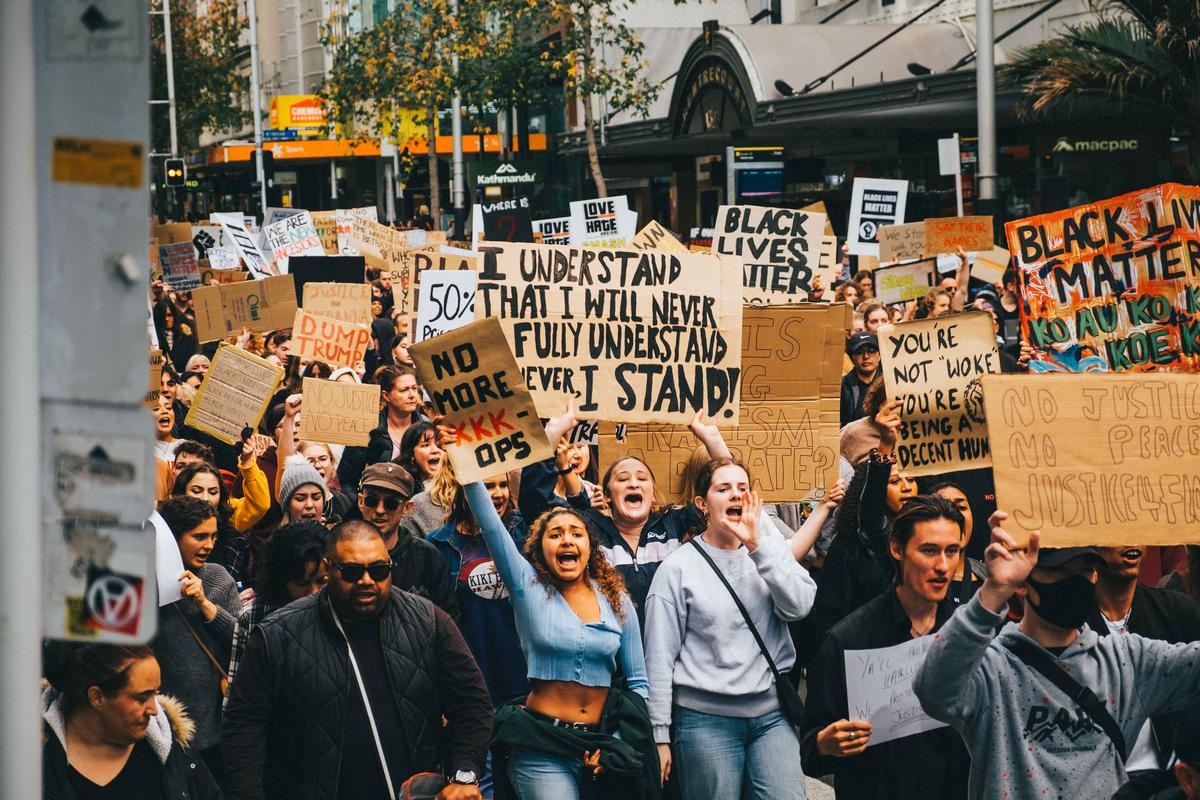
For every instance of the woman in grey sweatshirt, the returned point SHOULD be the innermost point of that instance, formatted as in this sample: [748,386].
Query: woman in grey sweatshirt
[707,674]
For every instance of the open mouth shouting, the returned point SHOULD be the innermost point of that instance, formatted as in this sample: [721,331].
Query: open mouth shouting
[733,514]
[1131,555]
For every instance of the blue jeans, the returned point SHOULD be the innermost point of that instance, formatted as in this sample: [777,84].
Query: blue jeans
[756,758]
[540,776]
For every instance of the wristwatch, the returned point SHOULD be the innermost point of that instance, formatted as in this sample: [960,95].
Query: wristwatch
[465,777]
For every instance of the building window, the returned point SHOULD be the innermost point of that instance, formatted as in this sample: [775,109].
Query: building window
[379,10]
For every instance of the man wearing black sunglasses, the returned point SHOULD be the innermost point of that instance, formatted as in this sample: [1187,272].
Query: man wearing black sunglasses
[342,694]
[384,498]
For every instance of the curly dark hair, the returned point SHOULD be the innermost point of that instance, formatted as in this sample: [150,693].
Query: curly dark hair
[184,513]
[185,476]
[598,568]
[284,557]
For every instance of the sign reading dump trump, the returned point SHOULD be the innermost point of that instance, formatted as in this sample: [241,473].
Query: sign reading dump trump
[336,343]
[1097,459]
[475,383]
[633,335]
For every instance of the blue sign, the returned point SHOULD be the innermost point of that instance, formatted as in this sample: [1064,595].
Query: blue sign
[280,135]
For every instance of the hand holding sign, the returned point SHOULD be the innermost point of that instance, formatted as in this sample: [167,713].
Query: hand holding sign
[846,737]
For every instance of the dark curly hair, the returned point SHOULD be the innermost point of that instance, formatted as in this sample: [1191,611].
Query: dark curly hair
[598,568]
[284,558]
[185,476]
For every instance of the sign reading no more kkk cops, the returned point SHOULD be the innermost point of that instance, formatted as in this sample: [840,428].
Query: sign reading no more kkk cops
[874,203]
[934,367]
[633,335]
[1097,458]
[475,384]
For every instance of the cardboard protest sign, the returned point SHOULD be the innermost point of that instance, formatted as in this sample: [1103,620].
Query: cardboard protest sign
[819,208]
[338,413]
[203,239]
[336,343]
[330,269]
[1096,459]
[655,237]
[874,203]
[898,242]
[325,223]
[604,222]
[473,380]
[903,282]
[349,302]
[226,309]
[179,268]
[247,246]
[274,215]
[294,235]
[554,230]
[1112,285]
[446,302]
[585,432]
[154,381]
[779,249]
[344,218]
[370,240]
[215,277]
[990,265]
[223,258]
[409,265]
[879,690]
[172,232]
[945,234]
[635,335]
[507,220]
[827,263]
[787,431]
[934,366]
[234,395]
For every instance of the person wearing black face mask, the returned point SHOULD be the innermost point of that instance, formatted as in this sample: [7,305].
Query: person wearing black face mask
[1047,708]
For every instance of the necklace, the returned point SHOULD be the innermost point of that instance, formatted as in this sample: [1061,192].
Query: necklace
[917,634]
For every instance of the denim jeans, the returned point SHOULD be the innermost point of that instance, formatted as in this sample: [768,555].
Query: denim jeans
[540,776]
[755,758]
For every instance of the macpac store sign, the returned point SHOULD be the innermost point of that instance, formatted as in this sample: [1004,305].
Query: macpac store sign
[1067,145]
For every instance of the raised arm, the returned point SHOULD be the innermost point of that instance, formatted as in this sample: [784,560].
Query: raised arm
[514,568]
[959,301]
[810,531]
[709,436]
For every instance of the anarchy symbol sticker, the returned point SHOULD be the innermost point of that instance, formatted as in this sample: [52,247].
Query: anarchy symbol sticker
[113,601]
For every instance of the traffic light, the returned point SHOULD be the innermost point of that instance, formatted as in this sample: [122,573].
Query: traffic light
[176,171]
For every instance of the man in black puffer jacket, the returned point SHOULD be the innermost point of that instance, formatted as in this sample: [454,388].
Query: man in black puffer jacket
[297,726]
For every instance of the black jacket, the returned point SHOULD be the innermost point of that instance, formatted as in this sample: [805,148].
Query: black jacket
[418,568]
[662,534]
[1159,614]
[379,448]
[184,776]
[933,764]
[852,398]
[284,727]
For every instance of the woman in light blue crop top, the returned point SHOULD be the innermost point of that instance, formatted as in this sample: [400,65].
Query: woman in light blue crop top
[577,626]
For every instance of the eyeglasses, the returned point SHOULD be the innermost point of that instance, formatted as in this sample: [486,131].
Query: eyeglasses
[390,502]
[352,573]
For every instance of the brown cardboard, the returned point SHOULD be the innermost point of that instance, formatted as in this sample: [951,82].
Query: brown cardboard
[349,302]
[946,234]
[897,242]
[335,412]
[330,341]
[787,431]
[263,305]
[1096,458]
[655,237]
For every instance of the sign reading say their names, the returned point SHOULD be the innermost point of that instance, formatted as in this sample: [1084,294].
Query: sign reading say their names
[874,203]
[473,380]
[446,302]
[336,343]
[349,302]
[946,234]
[234,395]
[1097,458]
[879,690]
[334,412]
[788,423]
[934,366]
[779,248]
[634,335]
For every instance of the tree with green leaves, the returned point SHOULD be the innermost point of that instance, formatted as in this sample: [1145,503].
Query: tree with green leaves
[210,92]
[1141,55]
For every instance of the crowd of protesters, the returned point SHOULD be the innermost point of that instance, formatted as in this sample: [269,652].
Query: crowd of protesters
[355,623]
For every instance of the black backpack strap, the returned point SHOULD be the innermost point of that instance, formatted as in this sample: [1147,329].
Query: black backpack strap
[745,614]
[1035,657]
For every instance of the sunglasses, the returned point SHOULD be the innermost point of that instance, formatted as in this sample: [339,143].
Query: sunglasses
[352,573]
[390,502]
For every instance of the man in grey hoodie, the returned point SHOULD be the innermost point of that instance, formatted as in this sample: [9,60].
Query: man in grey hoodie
[1026,737]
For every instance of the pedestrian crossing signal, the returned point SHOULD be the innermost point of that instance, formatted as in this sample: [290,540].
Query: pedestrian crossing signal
[176,172]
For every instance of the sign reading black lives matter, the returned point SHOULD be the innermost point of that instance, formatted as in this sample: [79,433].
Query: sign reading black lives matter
[779,249]
[874,203]
[477,387]
[633,335]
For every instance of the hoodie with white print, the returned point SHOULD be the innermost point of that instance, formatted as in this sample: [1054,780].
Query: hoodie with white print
[1025,736]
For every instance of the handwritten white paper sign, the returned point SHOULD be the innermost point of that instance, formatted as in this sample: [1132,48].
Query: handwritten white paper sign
[879,690]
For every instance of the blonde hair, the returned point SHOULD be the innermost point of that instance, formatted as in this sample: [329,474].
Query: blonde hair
[691,470]
[185,393]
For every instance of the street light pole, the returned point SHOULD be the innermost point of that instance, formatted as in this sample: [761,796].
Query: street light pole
[985,89]
[456,168]
[166,12]
[256,105]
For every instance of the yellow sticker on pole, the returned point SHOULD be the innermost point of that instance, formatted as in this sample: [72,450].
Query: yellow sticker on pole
[101,162]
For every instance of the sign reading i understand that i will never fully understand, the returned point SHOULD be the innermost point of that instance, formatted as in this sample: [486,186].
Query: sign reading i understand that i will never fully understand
[779,249]
[476,385]
[633,335]
[934,367]
[1097,459]
[787,430]
[1113,285]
